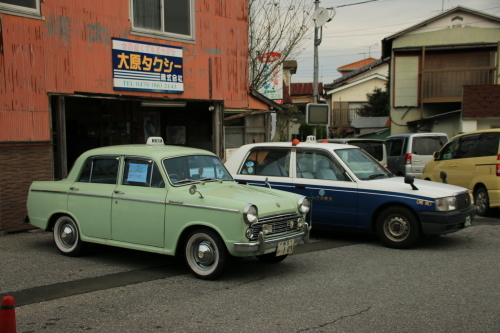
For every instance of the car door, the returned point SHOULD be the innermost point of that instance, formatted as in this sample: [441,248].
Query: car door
[267,163]
[318,175]
[138,209]
[89,198]
[395,155]
[447,162]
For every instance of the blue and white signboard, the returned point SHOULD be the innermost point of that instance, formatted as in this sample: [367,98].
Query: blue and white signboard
[147,66]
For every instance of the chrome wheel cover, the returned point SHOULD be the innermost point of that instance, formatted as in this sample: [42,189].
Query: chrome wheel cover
[396,228]
[202,254]
[66,235]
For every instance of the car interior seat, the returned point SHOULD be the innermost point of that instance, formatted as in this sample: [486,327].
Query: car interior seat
[304,169]
[324,171]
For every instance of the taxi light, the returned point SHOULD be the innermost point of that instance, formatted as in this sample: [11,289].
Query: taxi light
[155,140]
[498,166]
[295,142]
[408,159]
[325,141]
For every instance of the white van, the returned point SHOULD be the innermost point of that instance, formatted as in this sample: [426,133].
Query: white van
[407,154]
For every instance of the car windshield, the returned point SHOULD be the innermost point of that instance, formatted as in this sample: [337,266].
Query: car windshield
[362,164]
[195,168]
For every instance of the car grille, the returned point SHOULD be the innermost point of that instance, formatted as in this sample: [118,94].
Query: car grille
[463,200]
[280,223]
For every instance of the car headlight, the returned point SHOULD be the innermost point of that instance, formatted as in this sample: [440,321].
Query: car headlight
[250,214]
[446,204]
[304,205]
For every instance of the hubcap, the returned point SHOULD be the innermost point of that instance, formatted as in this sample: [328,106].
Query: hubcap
[481,201]
[205,253]
[68,235]
[397,228]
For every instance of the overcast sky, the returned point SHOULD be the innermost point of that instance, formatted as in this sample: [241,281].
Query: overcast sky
[356,31]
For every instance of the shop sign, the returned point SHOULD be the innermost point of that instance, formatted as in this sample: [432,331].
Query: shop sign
[273,87]
[147,66]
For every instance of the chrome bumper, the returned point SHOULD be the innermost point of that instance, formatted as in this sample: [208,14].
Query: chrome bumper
[262,244]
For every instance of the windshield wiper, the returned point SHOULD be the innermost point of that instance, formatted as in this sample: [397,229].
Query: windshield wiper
[376,175]
[206,178]
[184,181]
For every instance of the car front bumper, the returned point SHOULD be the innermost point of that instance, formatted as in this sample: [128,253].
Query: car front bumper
[440,223]
[262,244]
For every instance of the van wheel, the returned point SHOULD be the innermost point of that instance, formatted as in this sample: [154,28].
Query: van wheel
[205,254]
[482,201]
[397,227]
[67,237]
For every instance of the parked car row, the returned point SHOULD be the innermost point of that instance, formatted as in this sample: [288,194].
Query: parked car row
[263,202]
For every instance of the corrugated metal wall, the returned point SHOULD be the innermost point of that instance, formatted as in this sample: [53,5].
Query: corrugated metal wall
[70,51]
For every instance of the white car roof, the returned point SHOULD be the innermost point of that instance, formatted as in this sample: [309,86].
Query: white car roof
[300,145]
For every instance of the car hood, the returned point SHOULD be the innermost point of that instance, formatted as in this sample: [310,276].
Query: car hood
[236,196]
[425,187]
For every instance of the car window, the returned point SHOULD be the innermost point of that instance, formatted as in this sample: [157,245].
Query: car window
[316,164]
[427,145]
[194,168]
[102,170]
[364,166]
[473,145]
[373,148]
[395,147]
[450,151]
[267,162]
[140,172]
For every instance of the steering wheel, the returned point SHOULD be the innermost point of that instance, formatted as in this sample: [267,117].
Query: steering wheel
[174,178]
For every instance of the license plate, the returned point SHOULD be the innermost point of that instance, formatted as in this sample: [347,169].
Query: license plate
[285,247]
[467,221]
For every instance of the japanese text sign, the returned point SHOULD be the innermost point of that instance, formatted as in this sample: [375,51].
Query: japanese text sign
[147,67]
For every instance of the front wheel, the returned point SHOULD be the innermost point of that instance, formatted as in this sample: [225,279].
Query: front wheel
[482,201]
[67,236]
[397,227]
[205,254]
[271,258]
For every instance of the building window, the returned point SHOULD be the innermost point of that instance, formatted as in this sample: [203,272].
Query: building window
[168,18]
[30,7]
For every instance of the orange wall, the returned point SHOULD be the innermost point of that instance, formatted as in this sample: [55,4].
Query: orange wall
[70,52]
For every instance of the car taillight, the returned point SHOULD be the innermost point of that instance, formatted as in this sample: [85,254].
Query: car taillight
[408,159]
[498,166]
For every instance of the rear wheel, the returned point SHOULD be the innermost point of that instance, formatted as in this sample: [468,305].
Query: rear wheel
[482,201]
[67,236]
[397,227]
[205,254]
[271,258]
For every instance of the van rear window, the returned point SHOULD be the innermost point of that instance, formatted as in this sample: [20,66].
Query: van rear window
[427,145]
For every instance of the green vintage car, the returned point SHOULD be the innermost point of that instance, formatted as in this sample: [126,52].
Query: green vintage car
[171,200]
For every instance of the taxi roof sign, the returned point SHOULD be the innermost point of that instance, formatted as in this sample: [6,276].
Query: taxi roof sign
[155,140]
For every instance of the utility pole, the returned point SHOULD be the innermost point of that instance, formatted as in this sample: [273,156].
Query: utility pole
[316,44]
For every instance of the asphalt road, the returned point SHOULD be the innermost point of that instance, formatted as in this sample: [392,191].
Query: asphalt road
[341,282]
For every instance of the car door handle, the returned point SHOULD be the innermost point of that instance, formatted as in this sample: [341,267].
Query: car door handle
[74,188]
[300,187]
[119,192]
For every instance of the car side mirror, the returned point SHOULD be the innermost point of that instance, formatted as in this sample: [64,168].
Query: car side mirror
[193,190]
[436,155]
[409,180]
[443,176]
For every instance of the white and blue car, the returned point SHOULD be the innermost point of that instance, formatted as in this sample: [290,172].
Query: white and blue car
[350,190]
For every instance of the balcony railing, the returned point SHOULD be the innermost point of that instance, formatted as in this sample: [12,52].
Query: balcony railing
[445,85]
[343,117]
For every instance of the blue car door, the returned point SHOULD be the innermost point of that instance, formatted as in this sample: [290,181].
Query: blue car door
[318,175]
